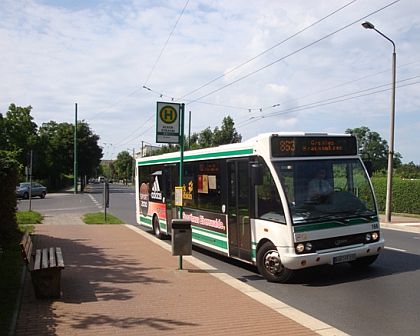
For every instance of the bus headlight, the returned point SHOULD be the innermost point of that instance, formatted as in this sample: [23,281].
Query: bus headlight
[303,247]
[300,248]
[375,236]
[368,237]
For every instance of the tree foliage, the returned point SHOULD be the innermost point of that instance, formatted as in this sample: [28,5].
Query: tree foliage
[226,134]
[8,179]
[52,146]
[20,131]
[373,148]
[408,171]
[124,165]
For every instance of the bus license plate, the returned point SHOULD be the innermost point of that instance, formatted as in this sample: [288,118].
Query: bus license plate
[344,258]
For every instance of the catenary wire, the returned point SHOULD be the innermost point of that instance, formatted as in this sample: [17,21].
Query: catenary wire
[292,53]
[166,43]
[267,50]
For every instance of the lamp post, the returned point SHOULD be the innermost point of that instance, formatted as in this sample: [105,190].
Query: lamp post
[388,206]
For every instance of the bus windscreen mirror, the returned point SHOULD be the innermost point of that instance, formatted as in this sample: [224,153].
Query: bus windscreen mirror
[369,168]
[256,174]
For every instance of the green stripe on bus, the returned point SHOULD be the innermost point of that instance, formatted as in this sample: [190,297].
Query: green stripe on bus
[329,225]
[210,231]
[209,240]
[199,156]
[146,220]
[162,224]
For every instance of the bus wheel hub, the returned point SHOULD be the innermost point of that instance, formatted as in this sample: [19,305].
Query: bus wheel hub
[272,262]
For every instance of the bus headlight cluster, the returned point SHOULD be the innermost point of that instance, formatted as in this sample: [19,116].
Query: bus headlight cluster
[303,247]
[371,237]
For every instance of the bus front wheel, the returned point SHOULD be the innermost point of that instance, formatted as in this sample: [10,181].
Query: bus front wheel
[269,264]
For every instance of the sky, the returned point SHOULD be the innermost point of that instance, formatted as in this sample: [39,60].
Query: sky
[272,66]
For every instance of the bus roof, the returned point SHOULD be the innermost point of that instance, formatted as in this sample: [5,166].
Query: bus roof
[245,148]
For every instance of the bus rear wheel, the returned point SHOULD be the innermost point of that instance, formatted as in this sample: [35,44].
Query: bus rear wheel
[269,264]
[156,228]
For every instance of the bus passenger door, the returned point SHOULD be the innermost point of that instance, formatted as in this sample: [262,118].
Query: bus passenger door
[239,224]
[169,182]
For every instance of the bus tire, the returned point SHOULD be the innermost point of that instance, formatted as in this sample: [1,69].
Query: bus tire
[156,228]
[364,262]
[269,264]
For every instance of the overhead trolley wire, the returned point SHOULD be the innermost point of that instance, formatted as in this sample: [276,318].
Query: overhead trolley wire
[293,53]
[166,43]
[267,50]
[328,101]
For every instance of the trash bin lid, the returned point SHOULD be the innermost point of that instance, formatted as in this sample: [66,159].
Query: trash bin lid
[181,224]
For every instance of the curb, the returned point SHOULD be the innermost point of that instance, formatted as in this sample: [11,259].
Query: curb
[280,307]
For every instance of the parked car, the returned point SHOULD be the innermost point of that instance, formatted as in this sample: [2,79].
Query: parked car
[22,190]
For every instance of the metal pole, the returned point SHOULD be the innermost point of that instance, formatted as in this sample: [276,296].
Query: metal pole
[181,164]
[189,130]
[30,182]
[388,206]
[134,168]
[75,149]
[388,202]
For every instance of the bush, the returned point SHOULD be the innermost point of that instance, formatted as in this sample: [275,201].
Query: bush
[405,195]
[8,180]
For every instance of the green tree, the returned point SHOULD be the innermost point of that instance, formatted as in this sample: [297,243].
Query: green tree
[372,147]
[226,134]
[20,132]
[89,153]
[57,141]
[124,165]
[8,179]
[3,141]
[408,171]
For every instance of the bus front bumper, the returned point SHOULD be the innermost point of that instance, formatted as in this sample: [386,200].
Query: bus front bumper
[331,257]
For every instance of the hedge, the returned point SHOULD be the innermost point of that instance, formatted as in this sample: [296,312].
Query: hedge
[405,195]
[8,180]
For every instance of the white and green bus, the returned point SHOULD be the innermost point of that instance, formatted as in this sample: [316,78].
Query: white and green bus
[256,201]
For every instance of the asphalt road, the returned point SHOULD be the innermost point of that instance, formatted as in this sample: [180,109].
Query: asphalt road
[383,300]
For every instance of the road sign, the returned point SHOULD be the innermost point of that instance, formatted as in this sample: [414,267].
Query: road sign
[168,122]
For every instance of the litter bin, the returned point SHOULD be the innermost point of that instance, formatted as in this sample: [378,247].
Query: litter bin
[181,237]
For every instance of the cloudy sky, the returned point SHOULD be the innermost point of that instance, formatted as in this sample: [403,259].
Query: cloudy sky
[271,65]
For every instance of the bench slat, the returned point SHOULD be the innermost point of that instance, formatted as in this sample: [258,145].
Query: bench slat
[60,261]
[45,258]
[26,248]
[37,265]
[53,262]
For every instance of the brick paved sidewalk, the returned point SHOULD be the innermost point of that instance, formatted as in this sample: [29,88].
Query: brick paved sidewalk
[117,282]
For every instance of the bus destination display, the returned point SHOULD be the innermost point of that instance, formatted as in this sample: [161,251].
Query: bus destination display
[313,146]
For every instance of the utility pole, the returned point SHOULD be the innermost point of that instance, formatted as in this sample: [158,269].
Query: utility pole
[30,181]
[134,168]
[75,149]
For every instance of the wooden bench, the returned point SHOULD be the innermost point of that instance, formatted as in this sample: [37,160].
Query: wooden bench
[45,267]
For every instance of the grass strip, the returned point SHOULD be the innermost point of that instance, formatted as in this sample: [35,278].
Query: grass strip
[99,218]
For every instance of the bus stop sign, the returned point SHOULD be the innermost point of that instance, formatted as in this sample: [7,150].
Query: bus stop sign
[168,122]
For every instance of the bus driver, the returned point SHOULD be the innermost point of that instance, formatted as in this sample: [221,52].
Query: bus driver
[319,187]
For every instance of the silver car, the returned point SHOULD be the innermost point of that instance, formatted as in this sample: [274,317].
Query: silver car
[22,190]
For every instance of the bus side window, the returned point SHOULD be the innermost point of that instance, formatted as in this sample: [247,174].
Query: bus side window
[269,206]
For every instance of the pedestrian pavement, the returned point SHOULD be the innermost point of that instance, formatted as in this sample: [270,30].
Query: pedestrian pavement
[402,223]
[119,281]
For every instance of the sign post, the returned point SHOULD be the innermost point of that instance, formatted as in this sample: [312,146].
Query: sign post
[170,129]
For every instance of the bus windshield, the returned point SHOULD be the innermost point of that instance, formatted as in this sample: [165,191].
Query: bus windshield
[319,190]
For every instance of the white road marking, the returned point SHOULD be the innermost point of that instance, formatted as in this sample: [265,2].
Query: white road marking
[394,249]
[95,201]
[302,318]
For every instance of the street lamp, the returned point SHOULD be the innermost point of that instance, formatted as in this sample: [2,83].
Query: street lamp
[369,25]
